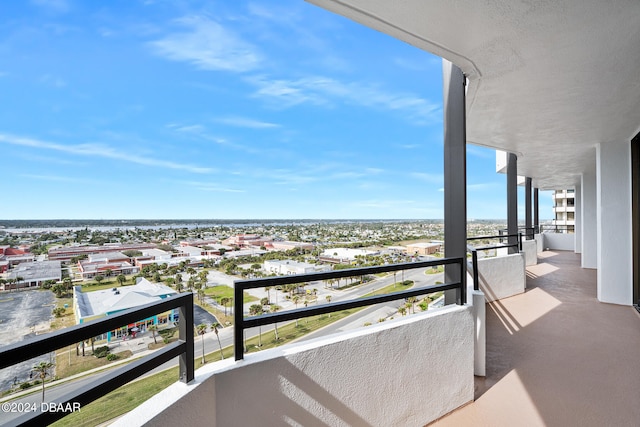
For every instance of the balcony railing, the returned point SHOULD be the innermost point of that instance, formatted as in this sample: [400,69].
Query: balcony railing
[30,348]
[558,228]
[242,323]
[474,250]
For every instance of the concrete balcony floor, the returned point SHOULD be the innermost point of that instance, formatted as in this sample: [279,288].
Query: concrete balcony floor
[556,356]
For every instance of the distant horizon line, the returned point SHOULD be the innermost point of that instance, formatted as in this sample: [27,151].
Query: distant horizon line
[242,219]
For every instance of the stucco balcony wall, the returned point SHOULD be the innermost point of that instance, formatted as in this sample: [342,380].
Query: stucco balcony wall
[502,276]
[559,241]
[530,251]
[405,372]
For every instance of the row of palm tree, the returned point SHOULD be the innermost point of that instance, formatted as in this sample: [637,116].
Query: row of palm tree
[202,329]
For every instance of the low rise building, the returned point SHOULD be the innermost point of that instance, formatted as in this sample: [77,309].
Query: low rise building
[423,248]
[33,274]
[97,304]
[344,255]
[289,267]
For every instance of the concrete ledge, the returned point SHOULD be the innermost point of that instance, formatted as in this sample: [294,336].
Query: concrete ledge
[406,372]
[530,250]
[502,276]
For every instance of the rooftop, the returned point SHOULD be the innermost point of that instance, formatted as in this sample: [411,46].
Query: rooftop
[108,301]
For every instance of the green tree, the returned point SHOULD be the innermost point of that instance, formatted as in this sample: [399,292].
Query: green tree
[98,279]
[121,279]
[202,329]
[42,372]
[58,311]
[215,326]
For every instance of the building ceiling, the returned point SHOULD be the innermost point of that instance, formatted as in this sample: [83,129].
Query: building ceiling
[548,79]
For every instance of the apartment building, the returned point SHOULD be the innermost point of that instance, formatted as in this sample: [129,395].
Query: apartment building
[564,211]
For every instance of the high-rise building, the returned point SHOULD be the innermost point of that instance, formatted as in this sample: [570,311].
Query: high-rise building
[564,211]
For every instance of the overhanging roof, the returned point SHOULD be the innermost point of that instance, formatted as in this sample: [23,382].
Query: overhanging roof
[548,80]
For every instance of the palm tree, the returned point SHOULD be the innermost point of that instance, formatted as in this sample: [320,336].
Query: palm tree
[328,297]
[296,300]
[215,326]
[412,301]
[153,329]
[274,308]
[42,371]
[204,276]
[202,329]
[256,310]
[224,301]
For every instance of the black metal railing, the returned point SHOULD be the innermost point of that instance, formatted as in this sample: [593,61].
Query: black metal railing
[474,251]
[33,347]
[552,228]
[242,323]
[529,232]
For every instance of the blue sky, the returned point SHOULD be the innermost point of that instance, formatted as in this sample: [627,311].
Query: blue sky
[221,109]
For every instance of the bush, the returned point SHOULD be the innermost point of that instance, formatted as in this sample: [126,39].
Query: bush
[111,357]
[101,351]
[25,386]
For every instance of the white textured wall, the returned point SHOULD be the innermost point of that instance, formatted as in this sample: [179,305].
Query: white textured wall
[406,372]
[559,241]
[540,242]
[615,260]
[530,251]
[502,277]
[578,219]
[589,221]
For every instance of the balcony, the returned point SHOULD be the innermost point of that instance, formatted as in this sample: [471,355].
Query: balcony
[556,356]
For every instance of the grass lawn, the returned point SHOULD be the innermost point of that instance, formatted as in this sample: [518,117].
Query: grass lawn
[68,318]
[438,269]
[394,287]
[224,291]
[81,364]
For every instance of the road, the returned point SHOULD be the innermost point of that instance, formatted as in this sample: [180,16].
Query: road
[369,314]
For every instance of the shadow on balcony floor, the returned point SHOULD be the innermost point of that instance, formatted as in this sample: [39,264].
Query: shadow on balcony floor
[556,356]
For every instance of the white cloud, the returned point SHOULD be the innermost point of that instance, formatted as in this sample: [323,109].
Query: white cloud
[246,123]
[207,45]
[326,91]
[50,80]
[432,178]
[49,177]
[482,186]
[100,150]
[59,6]
[212,187]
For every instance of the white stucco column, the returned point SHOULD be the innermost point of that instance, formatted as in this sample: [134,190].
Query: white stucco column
[578,219]
[589,220]
[615,260]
